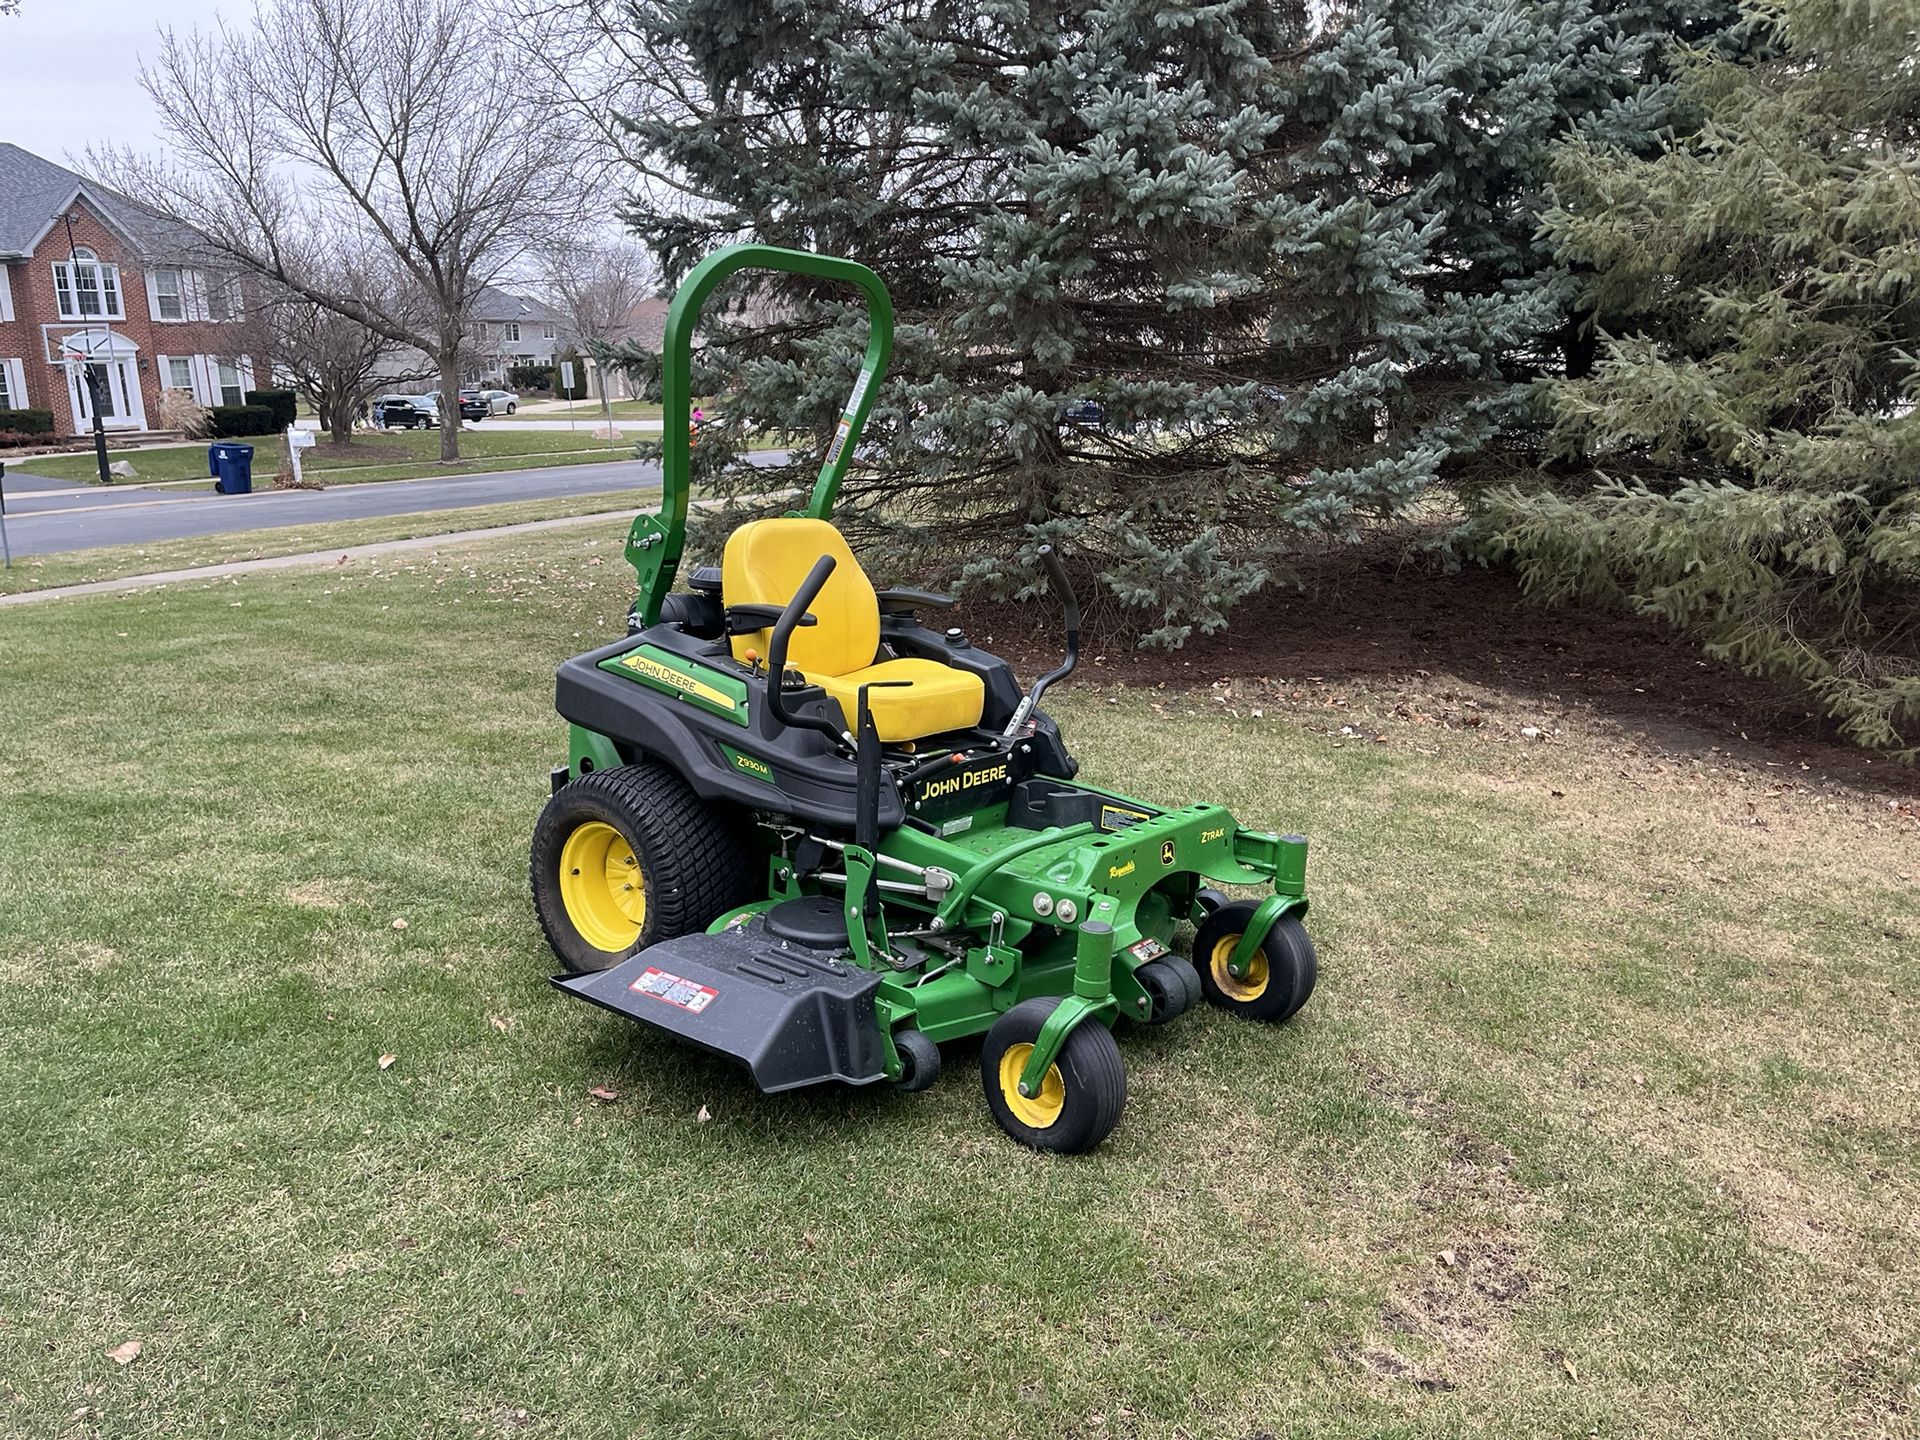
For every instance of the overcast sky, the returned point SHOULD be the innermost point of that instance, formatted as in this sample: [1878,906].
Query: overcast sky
[70,70]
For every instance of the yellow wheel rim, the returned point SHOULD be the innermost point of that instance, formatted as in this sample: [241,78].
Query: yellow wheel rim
[603,887]
[1037,1111]
[1252,985]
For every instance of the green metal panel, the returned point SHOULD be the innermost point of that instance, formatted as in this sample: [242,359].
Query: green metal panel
[656,542]
[590,746]
[671,674]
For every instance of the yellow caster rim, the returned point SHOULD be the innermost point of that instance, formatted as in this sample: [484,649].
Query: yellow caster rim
[1035,1111]
[603,887]
[1250,986]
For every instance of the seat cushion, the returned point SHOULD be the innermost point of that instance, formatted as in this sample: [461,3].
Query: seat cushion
[938,698]
[764,563]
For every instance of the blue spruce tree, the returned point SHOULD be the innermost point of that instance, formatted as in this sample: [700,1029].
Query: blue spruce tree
[1181,286]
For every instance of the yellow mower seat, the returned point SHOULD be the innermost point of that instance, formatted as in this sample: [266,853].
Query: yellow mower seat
[764,563]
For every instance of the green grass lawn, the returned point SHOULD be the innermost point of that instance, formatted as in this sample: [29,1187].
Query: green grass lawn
[1601,1122]
[373,455]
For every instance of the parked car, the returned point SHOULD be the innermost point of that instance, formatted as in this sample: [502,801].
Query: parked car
[499,402]
[472,406]
[406,412]
[1084,412]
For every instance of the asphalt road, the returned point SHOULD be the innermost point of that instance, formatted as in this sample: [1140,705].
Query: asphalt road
[85,517]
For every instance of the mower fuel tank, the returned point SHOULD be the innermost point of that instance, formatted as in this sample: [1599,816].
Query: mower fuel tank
[792,1015]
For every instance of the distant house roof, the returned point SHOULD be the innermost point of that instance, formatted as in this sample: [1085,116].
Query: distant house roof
[35,192]
[647,323]
[496,306]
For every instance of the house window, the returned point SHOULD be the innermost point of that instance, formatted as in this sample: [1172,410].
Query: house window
[233,390]
[180,373]
[510,332]
[223,297]
[169,294]
[87,289]
[546,332]
[7,402]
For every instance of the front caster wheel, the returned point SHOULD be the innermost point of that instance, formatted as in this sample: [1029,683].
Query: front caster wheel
[919,1059]
[1279,977]
[1079,1100]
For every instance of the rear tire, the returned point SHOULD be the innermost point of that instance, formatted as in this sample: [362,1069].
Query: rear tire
[1279,979]
[1084,1091]
[626,857]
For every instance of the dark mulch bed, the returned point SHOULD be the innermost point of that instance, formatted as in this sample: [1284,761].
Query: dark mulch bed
[1368,613]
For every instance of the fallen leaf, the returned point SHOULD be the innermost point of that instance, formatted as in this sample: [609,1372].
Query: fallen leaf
[704,1116]
[604,1092]
[399,924]
[125,1353]
[502,1023]
[1567,1365]
[386,1061]
[1448,1258]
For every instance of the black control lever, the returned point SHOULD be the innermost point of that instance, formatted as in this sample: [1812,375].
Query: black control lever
[866,760]
[1057,575]
[796,614]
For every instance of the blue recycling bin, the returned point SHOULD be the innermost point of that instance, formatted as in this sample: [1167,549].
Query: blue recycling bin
[232,468]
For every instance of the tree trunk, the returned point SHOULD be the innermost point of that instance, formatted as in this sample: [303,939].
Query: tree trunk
[336,416]
[448,360]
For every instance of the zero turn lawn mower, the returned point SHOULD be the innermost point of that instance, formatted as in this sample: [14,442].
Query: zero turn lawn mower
[803,828]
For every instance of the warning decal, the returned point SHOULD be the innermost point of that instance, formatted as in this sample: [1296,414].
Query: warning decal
[674,990]
[1147,949]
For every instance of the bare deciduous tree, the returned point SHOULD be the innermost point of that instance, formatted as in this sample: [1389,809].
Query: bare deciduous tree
[595,287]
[323,127]
[336,363]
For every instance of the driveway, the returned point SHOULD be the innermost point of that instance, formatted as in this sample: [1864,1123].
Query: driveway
[91,517]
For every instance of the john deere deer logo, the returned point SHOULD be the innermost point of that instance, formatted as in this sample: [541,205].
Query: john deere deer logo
[1166,852]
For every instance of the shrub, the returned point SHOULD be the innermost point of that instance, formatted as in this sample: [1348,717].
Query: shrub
[529,377]
[27,422]
[283,404]
[232,420]
[180,411]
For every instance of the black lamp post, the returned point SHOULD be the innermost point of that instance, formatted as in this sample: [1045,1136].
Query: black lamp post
[94,374]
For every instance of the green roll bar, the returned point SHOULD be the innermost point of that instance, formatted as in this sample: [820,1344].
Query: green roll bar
[657,541]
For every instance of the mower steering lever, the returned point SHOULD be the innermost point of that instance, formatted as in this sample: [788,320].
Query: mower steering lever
[1057,575]
[793,615]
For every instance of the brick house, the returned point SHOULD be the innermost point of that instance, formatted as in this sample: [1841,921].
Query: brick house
[89,280]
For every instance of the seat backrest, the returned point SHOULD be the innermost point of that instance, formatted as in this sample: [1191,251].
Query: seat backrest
[765,562]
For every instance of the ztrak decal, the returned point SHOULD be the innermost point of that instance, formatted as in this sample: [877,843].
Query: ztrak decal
[966,787]
[747,764]
[1119,817]
[675,991]
[1207,837]
[661,670]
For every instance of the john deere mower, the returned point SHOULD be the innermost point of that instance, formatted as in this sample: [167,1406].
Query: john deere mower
[805,826]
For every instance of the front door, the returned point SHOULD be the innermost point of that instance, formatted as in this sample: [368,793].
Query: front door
[119,386]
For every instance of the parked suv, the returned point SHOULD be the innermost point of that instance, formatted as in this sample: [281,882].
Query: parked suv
[406,412]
